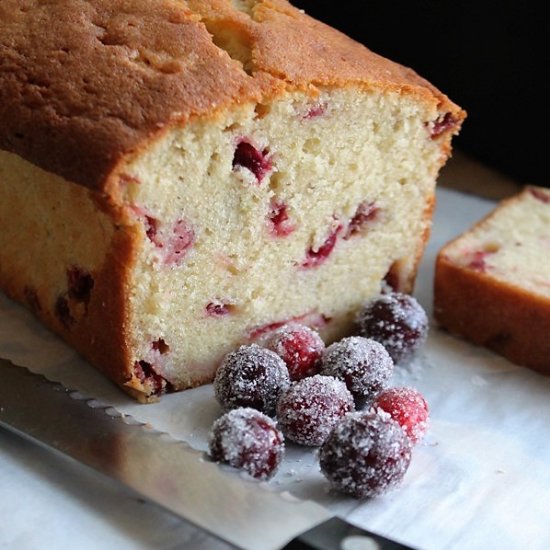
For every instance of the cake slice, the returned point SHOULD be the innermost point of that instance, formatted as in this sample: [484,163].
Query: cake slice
[178,178]
[492,284]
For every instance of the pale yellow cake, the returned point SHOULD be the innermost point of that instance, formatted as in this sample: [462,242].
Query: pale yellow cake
[492,285]
[178,178]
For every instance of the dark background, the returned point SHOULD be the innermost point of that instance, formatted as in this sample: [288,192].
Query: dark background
[489,57]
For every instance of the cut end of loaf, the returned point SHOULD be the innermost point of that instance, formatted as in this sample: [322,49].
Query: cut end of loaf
[295,211]
[180,180]
[491,285]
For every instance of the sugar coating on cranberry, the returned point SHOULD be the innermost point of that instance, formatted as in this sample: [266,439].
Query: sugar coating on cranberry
[397,321]
[408,408]
[309,410]
[251,377]
[247,156]
[249,440]
[299,346]
[366,454]
[363,364]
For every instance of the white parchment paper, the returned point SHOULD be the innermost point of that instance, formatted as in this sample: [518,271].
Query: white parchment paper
[481,477]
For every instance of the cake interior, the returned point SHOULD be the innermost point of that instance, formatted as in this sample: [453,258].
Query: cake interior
[260,215]
[295,210]
[510,244]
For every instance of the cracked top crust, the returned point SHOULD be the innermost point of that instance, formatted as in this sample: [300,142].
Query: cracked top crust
[85,83]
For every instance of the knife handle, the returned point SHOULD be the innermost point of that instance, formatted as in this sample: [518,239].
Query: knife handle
[337,534]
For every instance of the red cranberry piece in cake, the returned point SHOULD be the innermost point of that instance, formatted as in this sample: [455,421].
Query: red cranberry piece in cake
[247,156]
[539,194]
[173,241]
[366,454]
[151,230]
[249,440]
[299,346]
[161,346]
[478,261]
[63,312]
[441,125]
[178,243]
[315,111]
[363,364]
[309,410]
[408,408]
[397,321]
[80,284]
[312,319]
[152,380]
[367,212]
[218,309]
[251,377]
[314,258]
[280,224]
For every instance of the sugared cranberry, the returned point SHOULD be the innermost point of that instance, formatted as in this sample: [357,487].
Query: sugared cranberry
[280,223]
[408,408]
[314,258]
[299,347]
[249,440]
[80,284]
[367,212]
[251,377]
[363,364]
[395,320]
[442,124]
[366,454]
[247,156]
[309,410]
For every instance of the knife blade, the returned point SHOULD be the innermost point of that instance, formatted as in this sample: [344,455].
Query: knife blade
[168,472]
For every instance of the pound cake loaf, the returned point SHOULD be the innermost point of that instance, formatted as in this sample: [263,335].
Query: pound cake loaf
[492,284]
[180,177]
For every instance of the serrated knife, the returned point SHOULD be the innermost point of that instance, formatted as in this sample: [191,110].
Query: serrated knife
[168,472]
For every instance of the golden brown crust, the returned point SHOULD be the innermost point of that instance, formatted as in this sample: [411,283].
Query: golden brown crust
[507,319]
[109,75]
[35,270]
[104,76]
